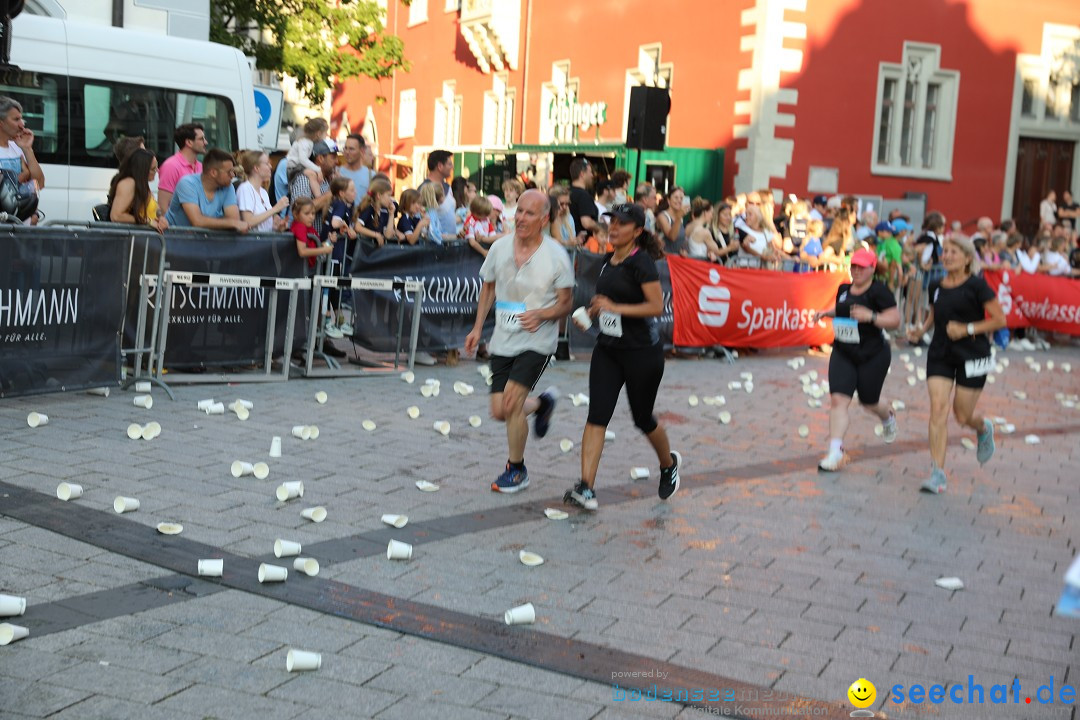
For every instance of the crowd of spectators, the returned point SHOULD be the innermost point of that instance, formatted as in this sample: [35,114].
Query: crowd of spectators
[330,199]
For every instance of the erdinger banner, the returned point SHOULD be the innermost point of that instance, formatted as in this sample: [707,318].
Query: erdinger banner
[748,308]
[221,325]
[61,309]
[451,277]
[1048,303]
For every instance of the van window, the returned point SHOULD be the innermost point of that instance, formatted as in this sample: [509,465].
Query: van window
[103,112]
[40,96]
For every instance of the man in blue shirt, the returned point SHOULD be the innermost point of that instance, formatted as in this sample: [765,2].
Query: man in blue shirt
[357,165]
[440,169]
[207,200]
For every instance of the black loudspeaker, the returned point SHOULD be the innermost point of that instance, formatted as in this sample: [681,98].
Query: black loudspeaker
[646,126]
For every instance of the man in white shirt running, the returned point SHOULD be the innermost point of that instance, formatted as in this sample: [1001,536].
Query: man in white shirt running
[529,279]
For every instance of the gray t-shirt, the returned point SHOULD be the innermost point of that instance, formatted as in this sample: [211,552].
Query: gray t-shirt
[531,287]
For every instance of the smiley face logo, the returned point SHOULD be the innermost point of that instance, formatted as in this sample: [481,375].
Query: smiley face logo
[862,693]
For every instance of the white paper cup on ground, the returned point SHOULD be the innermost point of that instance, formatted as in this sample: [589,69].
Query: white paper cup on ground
[555,514]
[10,633]
[413,412]
[520,615]
[275,446]
[286,548]
[290,490]
[142,386]
[398,521]
[167,528]
[475,420]
[639,473]
[308,566]
[566,445]
[693,401]
[68,491]
[408,376]
[314,514]
[134,431]
[35,419]
[397,550]
[260,470]
[581,317]
[205,405]
[725,417]
[530,559]
[804,431]
[215,409]
[321,397]
[143,401]
[427,390]
[272,573]
[442,427]
[246,404]
[101,391]
[609,435]
[301,431]
[12,605]
[151,430]
[241,412]
[313,432]
[302,660]
[125,504]
[241,468]
[368,425]
[212,567]
[425,486]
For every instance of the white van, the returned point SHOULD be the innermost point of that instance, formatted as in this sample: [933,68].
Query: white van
[82,87]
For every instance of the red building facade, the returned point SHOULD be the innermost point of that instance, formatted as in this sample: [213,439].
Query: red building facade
[974,104]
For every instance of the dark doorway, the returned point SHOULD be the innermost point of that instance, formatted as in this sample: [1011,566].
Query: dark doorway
[1041,166]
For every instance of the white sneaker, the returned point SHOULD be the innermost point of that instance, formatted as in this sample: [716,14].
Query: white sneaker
[331,330]
[889,429]
[345,328]
[832,462]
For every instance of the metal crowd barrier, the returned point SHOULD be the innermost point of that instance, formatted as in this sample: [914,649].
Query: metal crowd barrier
[316,337]
[147,348]
[197,279]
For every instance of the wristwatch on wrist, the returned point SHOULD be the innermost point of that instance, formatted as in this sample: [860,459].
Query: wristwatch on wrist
[873,318]
[971,328]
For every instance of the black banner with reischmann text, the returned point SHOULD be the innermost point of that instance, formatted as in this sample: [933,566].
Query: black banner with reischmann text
[221,325]
[61,309]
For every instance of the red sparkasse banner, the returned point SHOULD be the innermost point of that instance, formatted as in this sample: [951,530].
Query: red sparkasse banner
[1048,303]
[715,305]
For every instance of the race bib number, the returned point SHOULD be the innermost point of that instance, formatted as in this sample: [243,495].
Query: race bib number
[611,324]
[845,330]
[978,367]
[508,315]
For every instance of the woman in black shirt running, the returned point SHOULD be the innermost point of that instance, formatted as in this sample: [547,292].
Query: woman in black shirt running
[628,350]
[959,352]
[861,356]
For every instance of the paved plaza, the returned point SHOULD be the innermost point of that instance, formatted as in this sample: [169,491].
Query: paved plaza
[761,582]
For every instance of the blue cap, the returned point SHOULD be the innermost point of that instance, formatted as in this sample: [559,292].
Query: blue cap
[884,225]
[900,225]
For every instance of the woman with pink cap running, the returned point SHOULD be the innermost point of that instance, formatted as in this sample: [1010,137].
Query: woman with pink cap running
[861,355]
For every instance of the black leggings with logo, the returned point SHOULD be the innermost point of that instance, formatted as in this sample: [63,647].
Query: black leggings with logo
[640,370]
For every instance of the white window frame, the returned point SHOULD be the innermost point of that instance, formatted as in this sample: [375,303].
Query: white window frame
[447,127]
[921,63]
[407,114]
[452,6]
[499,111]
[418,12]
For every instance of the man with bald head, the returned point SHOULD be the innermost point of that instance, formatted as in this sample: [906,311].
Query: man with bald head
[984,228]
[529,279]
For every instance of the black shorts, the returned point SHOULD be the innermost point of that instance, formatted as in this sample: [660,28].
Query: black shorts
[524,369]
[955,369]
[849,373]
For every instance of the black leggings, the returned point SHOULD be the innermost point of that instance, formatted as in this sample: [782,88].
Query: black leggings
[640,370]
[848,375]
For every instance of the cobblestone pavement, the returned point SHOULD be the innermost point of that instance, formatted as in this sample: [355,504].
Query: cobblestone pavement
[759,575]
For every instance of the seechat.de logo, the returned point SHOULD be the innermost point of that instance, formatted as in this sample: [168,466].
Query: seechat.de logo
[713,302]
[862,695]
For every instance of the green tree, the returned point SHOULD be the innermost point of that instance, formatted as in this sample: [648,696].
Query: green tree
[314,41]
